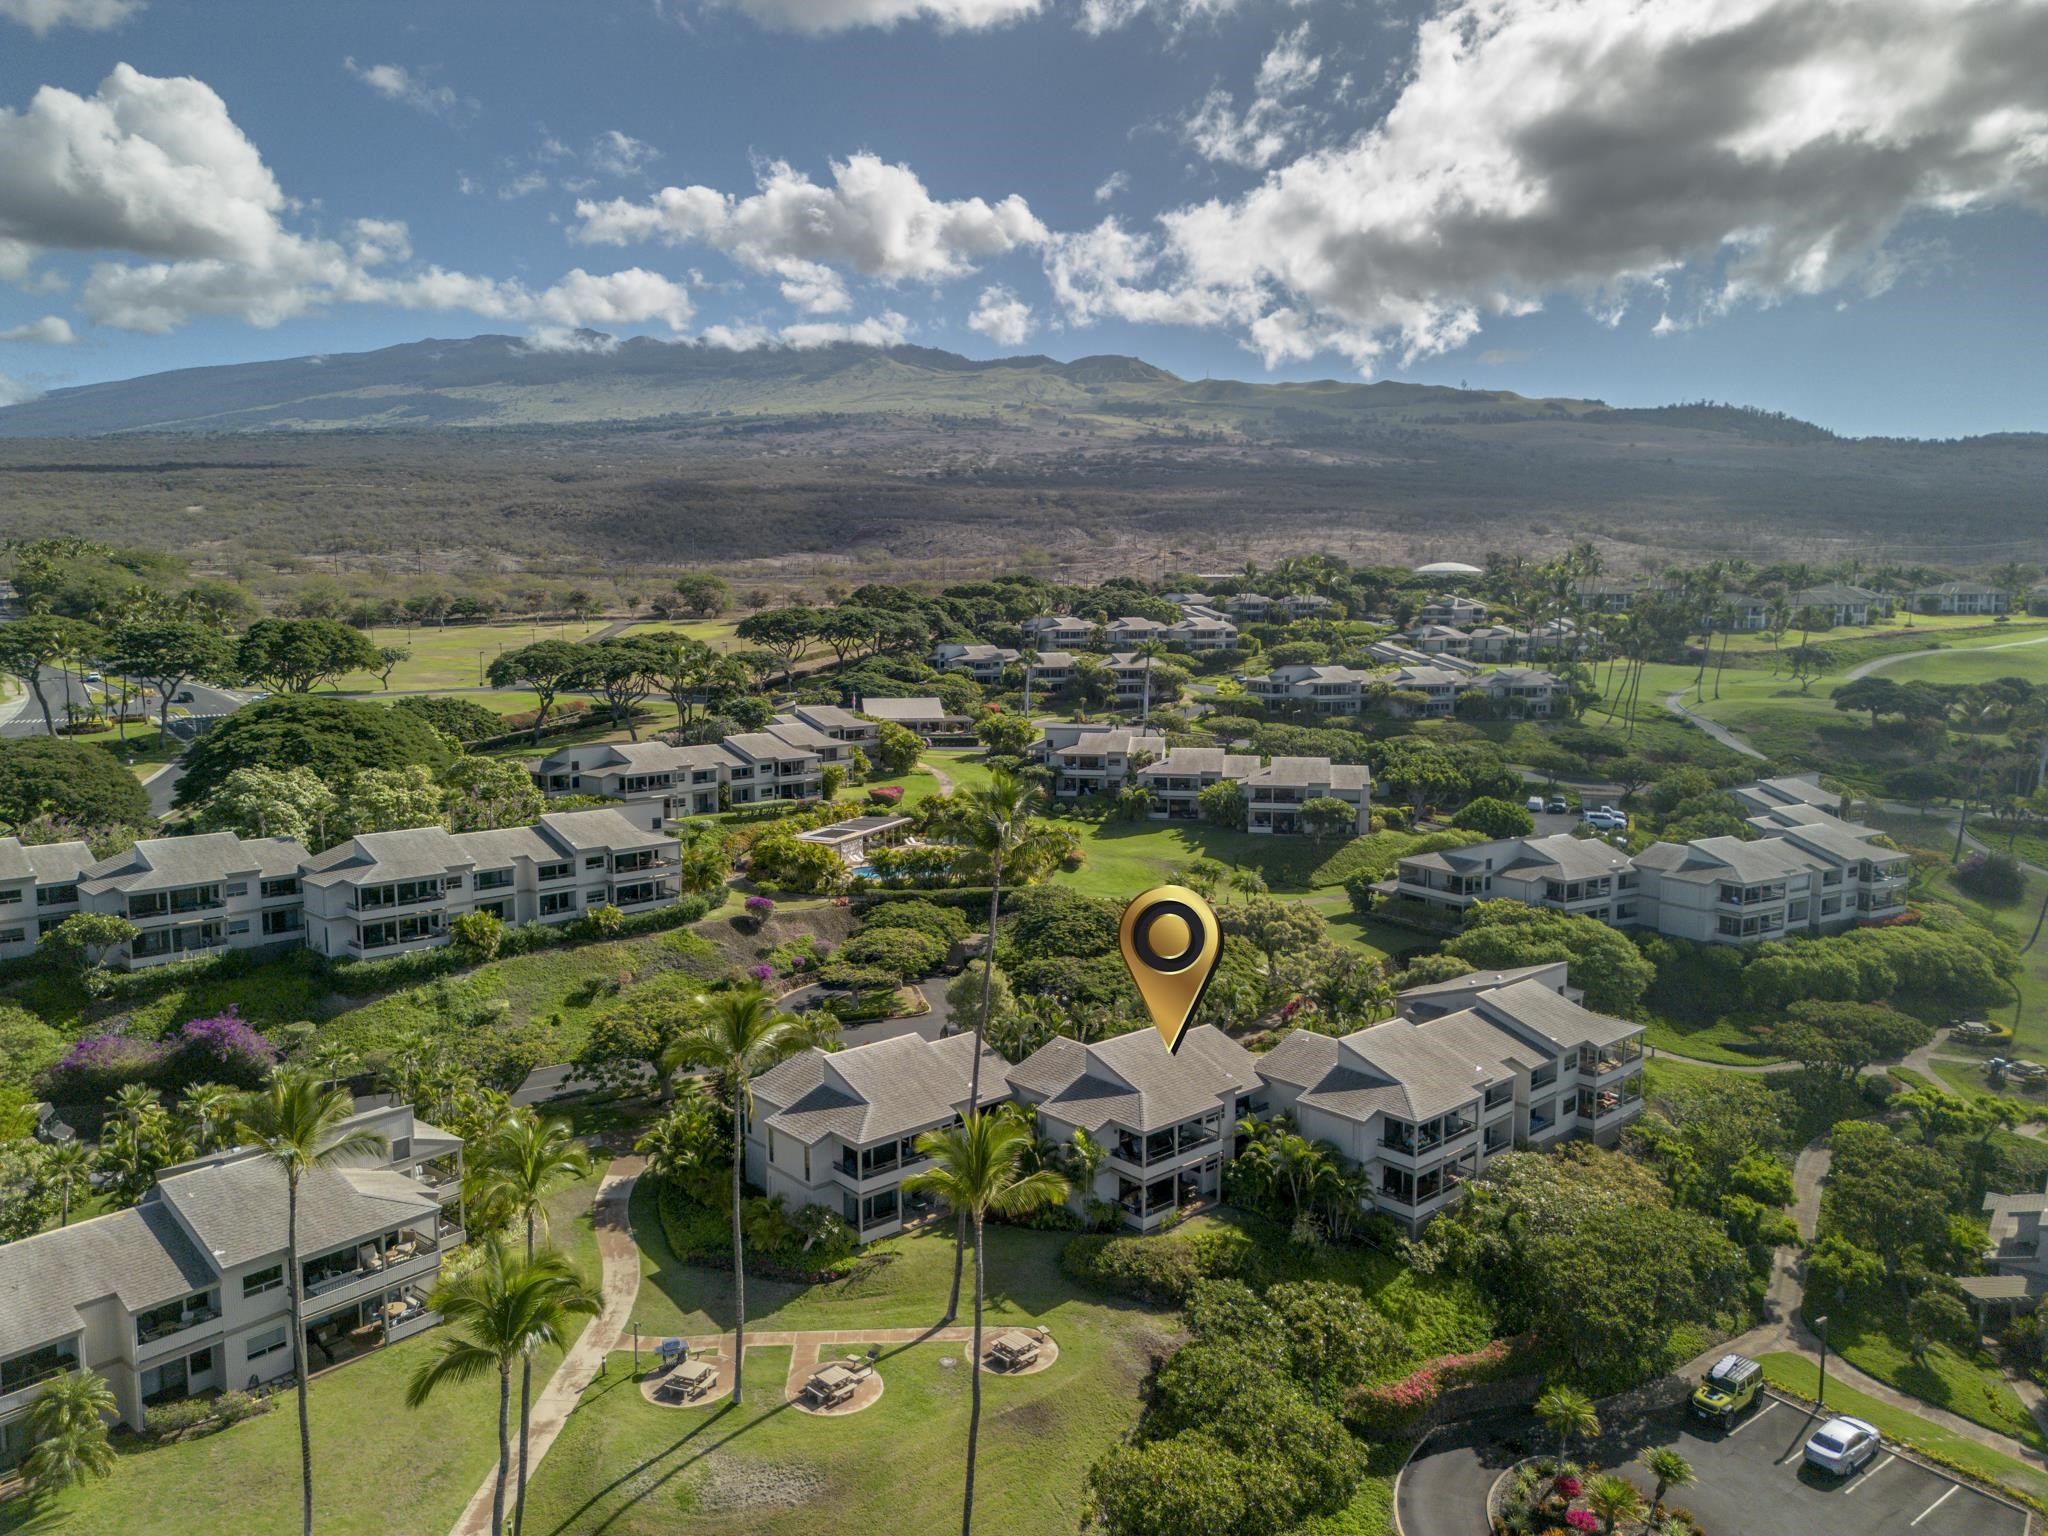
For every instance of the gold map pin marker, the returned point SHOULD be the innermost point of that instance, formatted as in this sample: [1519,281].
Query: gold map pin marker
[1171,943]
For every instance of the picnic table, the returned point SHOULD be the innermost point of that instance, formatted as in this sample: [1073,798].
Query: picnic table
[831,1385]
[1014,1349]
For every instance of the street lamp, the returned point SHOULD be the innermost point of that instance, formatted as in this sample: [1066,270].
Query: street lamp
[1822,1401]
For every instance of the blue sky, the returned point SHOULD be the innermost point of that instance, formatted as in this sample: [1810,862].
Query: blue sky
[1818,206]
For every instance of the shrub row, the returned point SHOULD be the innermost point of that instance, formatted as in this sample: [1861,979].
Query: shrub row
[1390,1409]
[702,1236]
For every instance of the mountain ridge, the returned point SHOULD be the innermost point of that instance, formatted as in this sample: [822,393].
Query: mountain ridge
[496,380]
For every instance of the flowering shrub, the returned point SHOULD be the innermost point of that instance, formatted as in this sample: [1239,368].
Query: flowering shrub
[1384,1411]
[1581,1520]
[223,1049]
[760,906]
[99,1066]
[886,794]
[761,972]
[1568,1486]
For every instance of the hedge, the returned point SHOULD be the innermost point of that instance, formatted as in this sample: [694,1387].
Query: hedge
[701,1236]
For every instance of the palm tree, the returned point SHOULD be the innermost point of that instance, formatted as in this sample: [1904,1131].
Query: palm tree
[68,1430]
[504,1309]
[300,1126]
[522,1163]
[134,1101]
[737,1034]
[976,1169]
[1613,1499]
[993,820]
[209,1110]
[1151,652]
[1567,1413]
[68,1175]
[1671,1471]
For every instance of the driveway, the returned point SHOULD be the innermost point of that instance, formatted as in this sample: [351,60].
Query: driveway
[1752,1480]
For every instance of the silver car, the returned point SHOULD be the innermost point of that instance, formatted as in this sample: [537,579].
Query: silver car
[1842,1445]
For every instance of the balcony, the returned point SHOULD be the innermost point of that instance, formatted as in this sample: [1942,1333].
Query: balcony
[152,1327]
[354,1273]
[1605,1059]
[1164,1146]
[1541,1121]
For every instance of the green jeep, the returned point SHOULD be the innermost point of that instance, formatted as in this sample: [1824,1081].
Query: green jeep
[1730,1390]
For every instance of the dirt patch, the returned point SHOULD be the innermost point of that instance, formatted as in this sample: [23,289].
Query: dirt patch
[1035,1418]
[724,1485]
[742,946]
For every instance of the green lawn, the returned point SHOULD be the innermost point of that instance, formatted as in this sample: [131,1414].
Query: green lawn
[378,1466]
[1800,1376]
[452,656]
[1715,1041]
[1122,858]
[1970,1387]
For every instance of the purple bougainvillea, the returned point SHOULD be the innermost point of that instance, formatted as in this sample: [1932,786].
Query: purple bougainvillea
[761,972]
[760,906]
[112,1054]
[227,1045]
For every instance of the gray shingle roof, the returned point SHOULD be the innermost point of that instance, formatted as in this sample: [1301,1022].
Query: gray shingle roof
[161,863]
[900,710]
[1133,1081]
[55,863]
[400,855]
[1574,858]
[237,1208]
[1554,1017]
[872,1092]
[599,828]
[141,1256]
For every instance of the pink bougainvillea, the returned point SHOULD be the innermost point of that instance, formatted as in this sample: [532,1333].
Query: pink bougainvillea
[1581,1520]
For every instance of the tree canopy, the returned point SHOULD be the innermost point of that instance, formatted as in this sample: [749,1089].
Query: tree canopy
[73,780]
[336,738]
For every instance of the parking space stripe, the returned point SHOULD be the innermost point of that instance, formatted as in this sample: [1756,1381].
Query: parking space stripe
[1930,1509]
[1874,1470]
[1767,1407]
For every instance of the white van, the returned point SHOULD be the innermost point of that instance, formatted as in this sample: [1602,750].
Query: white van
[1535,805]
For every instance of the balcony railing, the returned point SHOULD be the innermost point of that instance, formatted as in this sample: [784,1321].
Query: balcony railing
[1538,1124]
[149,1333]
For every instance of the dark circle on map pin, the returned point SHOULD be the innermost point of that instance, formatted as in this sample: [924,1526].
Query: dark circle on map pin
[1141,937]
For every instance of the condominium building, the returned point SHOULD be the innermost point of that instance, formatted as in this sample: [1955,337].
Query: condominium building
[1579,875]
[1059,632]
[1799,790]
[1517,693]
[186,896]
[382,893]
[840,1128]
[838,724]
[1257,607]
[1176,781]
[1127,671]
[1966,597]
[1093,759]
[1808,873]
[983,663]
[186,1292]
[1841,604]
[1201,629]
[924,716]
[1315,689]
[1451,609]
[1167,1123]
[1276,793]
[1422,1103]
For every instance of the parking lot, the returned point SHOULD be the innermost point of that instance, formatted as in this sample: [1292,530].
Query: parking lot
[1752,1481]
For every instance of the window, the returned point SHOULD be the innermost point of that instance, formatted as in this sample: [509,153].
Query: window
[1796,912]
[283,920]
[256,1283]
[239,888]
[269,1342]
[556,871]
[287,886]
[493,879]
[239,926]
[9,898]
[552,902]
[12,935]
[56,895]
[200,1361]
[593,861]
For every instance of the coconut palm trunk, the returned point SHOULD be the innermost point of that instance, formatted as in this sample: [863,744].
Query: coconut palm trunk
[504,1447]
[739,1263]
[988,971]
[974,1372]
[292,1279]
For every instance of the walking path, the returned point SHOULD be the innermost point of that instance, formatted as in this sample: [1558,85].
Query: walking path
[1713,728]
[945,779]
[586,1357]
[1879,663]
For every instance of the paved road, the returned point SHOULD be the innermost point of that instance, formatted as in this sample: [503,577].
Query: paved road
[1879,663]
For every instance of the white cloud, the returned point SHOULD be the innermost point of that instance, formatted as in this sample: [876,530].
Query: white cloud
[842,15]
[394,82]
[884,330]
[1002,317]
[523,185]
[737,338]
[50,331]
[1588,147]
[876,219]
[563,338]
[157,169]
[1100,16]
[14,391]
[1257,137]
[813,288]
[44,16]
[1112,184]
[620,154]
